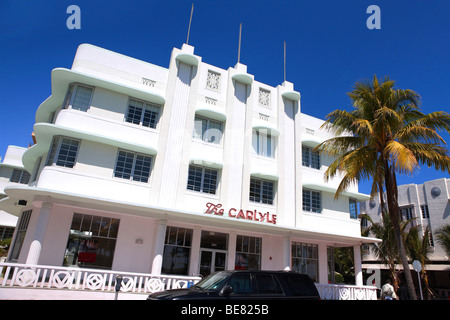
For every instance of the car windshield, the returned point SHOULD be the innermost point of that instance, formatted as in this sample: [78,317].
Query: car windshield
[212,282]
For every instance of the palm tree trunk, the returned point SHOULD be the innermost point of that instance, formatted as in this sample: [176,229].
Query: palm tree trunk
[380,192]
[392,202]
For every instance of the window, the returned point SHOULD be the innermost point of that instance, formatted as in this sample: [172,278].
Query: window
[142,113]
[63,152]
[425,211]
[331,265]
[207,130]
[22,227]
[92,241]
[78,97]
[241,283]
[177,248]
[305,259]
[353,207]
[310,158]
[406,213]
[202,179]
[133,166]
[20,176]
[312,201]
[248,253]
[6,233]
[267,284]
[263,144]
[261,191]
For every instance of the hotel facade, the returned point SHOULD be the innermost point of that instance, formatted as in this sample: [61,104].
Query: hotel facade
[184,170]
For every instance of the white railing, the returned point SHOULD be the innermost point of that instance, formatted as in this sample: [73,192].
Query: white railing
[346,292]
[73,278]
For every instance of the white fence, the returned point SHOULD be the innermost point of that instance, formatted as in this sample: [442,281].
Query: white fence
[51,277]
[346,292]
[38,276]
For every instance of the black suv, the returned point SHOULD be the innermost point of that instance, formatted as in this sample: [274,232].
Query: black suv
[246,285]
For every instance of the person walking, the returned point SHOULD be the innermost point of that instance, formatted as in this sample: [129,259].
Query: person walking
[388,292]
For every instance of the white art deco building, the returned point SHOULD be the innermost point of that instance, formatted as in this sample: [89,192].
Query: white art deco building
[182,170]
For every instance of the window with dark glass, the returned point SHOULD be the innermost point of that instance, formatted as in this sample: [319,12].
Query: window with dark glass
[92,241]
[143,113]
[63,152]
[310,158]
[267,284]
[6,233]
[305,259]
[177,248]
[22,227]
[312,201]
[353,207]
[202,179]
[20,176]
[133,166]
[248,253]
[261,191]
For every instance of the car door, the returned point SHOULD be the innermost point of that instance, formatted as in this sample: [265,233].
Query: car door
[243,286]
[267,287]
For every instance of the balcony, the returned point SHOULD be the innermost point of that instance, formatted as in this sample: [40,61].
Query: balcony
[69,283]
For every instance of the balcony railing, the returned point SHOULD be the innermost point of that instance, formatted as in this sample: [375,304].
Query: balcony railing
[51,277]
[81,279]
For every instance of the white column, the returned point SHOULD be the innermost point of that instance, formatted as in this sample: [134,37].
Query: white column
[177,129]
[323,264]
[231,256]
[158,250]
[287,252]
[358,266]
[39,233]
[194,259]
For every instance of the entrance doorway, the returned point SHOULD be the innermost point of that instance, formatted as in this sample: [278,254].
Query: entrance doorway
[213,252]
[212,260]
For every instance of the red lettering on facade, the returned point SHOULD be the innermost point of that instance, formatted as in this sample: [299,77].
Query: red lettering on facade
[212,208]
[254,215]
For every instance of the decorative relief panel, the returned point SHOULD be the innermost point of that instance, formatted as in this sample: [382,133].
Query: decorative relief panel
[211,101]
[213,80]
[148,82]
[264,98]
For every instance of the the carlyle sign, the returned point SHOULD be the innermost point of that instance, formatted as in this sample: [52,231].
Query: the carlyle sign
[254,215]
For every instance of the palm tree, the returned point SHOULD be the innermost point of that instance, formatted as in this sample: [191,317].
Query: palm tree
[443,238]
[386,251]
[418,248]
[385,134]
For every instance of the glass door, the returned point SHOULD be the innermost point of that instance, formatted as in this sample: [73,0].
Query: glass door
[212,260]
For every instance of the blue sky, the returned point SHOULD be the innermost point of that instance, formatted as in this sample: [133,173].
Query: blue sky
[329,48]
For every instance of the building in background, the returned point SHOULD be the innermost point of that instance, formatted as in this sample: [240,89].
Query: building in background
[182,170]
[428,204]
[12,173]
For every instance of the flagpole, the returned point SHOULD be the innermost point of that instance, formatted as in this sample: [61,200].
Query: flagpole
[284,66]
[190,20]
[239,48]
